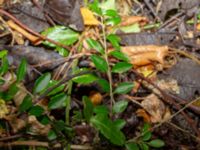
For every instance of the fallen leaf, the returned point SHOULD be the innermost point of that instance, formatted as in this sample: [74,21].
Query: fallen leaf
[3,109]
[36,127]
[155,107]
[18,38]
[1,2]
[142,113]
[147,71]
[129,20]
[88,17]
[170,85]
[16,123]
[26,34]
[143,55]
[198,26]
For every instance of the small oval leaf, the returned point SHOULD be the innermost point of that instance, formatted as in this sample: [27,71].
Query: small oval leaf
[120,106]
[132,146]
[41,83]
[21,71]
[36,111]
[124,88]
[121,67]
[156,143]
[85,79]
[100,63]
[57,101]
[95,45]
[119,55]
[26,104]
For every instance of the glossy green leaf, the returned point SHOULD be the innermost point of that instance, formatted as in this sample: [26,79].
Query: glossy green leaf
[85,79]
[4,65]
[132,146]
[100,63]
[42,83]
[157,143]
[119,123]
[36,111]
[57,101]
[60,34]
[121,67]
[93,44]
[124,88]
[88,108]
[120,106]
[114,40]
[108,129]
[21,71]
[26,104]
[104,85]
[119,55]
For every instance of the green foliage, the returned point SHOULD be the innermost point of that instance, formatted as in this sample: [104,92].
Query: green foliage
[132,146]
[119,123]
[101,109]
[100,63]
[85,79]
[119,55]
[7,96]
[88,108]
[108,129]
[121,67]
[51,135]
[114,40]
[104,85]
[145,142]
[42,83]
[57,89]
[95,45]
[157,143]
[4,65]
[120,106]
[36,111]
[124,88]
[3,53]
[60,34]
[26,104]
[57,101]
[21,71]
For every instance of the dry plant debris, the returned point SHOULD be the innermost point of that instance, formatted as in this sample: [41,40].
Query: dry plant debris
[112,74]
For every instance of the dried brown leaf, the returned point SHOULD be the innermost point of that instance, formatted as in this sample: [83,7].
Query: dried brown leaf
[155,107]
[143,55]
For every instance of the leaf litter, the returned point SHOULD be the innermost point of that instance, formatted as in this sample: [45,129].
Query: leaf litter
[132,73]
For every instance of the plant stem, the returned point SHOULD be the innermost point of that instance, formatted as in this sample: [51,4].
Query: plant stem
[107,61]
